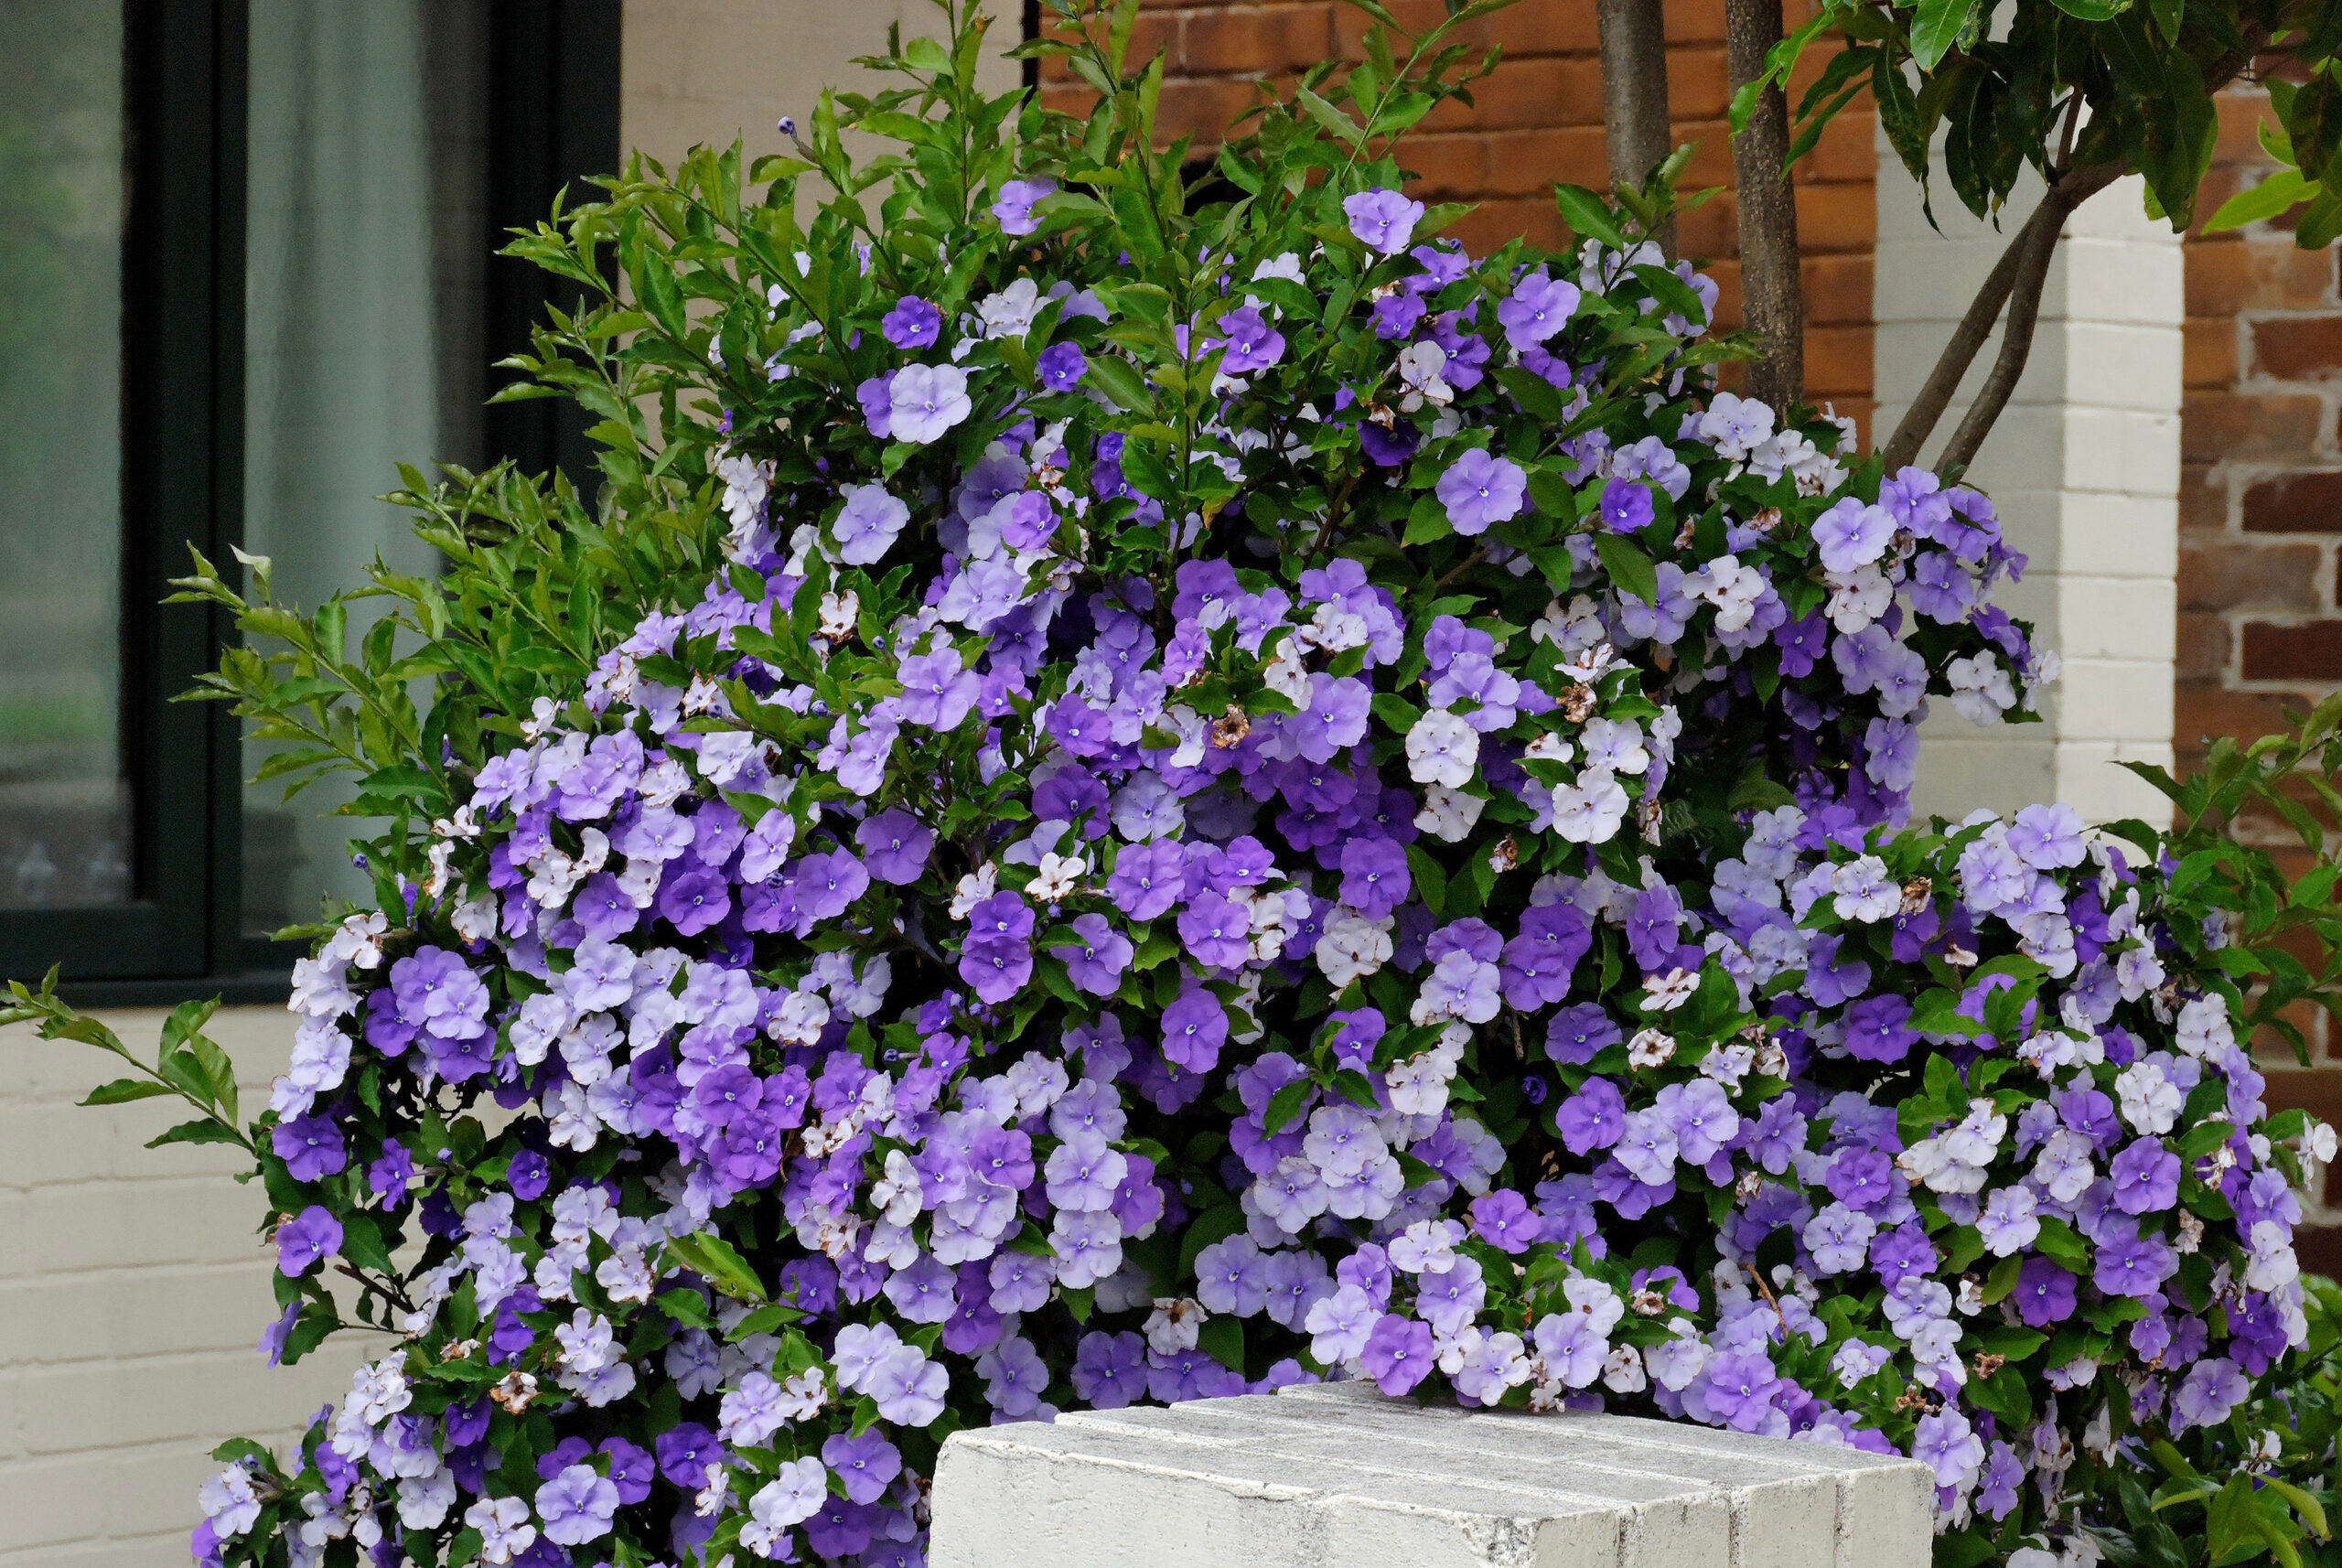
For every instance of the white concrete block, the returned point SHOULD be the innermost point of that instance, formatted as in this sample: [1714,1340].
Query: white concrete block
[1330,1478]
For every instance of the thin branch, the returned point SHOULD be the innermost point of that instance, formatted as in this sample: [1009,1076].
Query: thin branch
[1772,294]
[2016,346]
[2068,190]
[1968,339]
[1634,95]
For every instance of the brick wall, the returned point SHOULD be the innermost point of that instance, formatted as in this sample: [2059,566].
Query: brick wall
[2260,525]
[133,1288]
[1539,119]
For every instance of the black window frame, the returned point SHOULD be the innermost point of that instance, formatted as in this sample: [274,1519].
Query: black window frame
[553,76]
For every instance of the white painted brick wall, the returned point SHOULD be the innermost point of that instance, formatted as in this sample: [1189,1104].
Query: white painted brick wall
[2084,465]
[133,1287]
[1341,1478]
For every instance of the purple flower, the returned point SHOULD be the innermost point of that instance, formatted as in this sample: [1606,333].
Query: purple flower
[528,1175]
[2146,1177]
[695,900]
[1015,207]
[895,846]
[1217,931]
[310,1146]
[1194,1028]
[1478,489]
[1577,1034]
[1504,1220]
[1878,1029]
[912,324]
[2048,838]
[1594,1118]
[2211,1389]
[1110,1369]
[877,396]
[1398,1353]
[1945,1442]
[1061,367]
[996,956]
[1375,880]
[1851,534]
[2044,1293]
[1334,719]
[867,1465]
[273,1337]
[2133,1265]
[1249,342]
[1148,879]
[1538,308]
[828,884]
[1383,219]
[1740,1389]
[1096,965]
[686,1452]
[1627,505]
[577,1505]
[306,1240]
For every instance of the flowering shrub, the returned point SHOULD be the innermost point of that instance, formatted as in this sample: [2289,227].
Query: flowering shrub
[1132,804]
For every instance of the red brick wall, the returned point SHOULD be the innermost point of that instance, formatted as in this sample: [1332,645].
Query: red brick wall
[2260,521]
[1538,120]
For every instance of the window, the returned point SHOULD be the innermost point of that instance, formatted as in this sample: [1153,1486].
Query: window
[258,233]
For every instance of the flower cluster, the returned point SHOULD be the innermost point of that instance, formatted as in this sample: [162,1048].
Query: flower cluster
[1250,796]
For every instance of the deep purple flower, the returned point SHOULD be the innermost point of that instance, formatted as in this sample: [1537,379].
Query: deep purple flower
[1015,207]
[867,1465]
[1148,879]
[1878,1029]
[895,846]
[1539,308]
[1375,880]
[1398,1353]
[2044,1293]
[913,323]
[2146,1177]
[310,1146]
[528,1175]
[1061,366]
[1627,505]
[695,900]
[1217,931]
[1594,1118]
[686,1452]
[306,1240]
[1194,1028]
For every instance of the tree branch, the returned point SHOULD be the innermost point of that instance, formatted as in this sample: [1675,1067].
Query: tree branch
[1634,95]
[2038,245]
[2069,191]
[1772,294]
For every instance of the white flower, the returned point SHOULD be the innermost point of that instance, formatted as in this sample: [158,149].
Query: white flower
[925,401]
[1590,811]
[1441,748]
[229,1501]
[1352,948]
[1448,814]
[1650,1047]
[1671,990]
[973,889]
[1614,745]
[1060,875]
[1981,692]
[1863,890]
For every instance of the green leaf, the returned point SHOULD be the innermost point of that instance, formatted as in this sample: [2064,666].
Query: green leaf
[361,1243]
[2093,10]
[1935,28]
[1628,568]
[126,1089]
[715,1260]
[1588,215]
[1286,1104]
[2281,192]
[1222,1339]
[204,1131]
[1120,380]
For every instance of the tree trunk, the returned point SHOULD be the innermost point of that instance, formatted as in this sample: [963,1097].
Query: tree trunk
[1634,95]
[1772,295]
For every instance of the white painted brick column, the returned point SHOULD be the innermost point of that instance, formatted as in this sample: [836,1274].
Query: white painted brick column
[1340,1478]
[2084,468]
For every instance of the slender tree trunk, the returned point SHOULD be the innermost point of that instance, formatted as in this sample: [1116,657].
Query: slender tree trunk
[1772,295]
[2015,281]
[1634,95]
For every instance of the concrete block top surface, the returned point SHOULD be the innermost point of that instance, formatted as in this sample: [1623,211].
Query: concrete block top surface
[1338,1474]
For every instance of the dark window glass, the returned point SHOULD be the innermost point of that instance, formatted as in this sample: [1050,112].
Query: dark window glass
[65,801]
